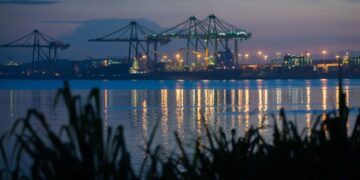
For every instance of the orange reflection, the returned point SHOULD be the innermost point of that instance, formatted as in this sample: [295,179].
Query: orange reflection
[232,94]
[324,93]
[266,99]
[278,98]
[260,103]
[247,109]
[308,97]
[198,111]
[209,105]
[179,94]
[240,99]
[239,107]
[164,115]
[145,121]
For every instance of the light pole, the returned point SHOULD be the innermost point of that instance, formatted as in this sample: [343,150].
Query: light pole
[239,58]
[278,54]
[246,56]
[265,58]
[308,57]
[259,54]
[337,59]
[324,52]
[198,56]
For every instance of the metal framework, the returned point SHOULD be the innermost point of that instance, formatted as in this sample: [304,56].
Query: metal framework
[219,30]
[192,30]
[138,37]
[44,47]
[212,29]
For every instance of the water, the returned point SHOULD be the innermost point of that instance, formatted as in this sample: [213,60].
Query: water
[182,106]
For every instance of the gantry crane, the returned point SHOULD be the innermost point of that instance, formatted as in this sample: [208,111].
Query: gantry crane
[44,47]
[138,37]
[212,30]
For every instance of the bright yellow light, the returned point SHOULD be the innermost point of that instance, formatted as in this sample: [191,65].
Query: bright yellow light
[144,56]
[308,54]
[337,56]
[246,55]
[260,53]
[165,57]
[198,56]
[265,57]
[177,55]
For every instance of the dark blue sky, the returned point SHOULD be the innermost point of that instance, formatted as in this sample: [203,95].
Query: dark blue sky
[290,26]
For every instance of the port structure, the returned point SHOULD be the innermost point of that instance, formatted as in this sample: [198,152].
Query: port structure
[138,38]
[190,29]
[44,47]
[209,32]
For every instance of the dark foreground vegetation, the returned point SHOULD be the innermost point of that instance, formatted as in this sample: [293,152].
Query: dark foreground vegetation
[85,149]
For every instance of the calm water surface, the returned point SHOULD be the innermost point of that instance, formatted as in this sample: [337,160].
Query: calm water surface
[183,106]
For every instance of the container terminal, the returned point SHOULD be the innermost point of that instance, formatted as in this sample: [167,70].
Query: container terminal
[211,51]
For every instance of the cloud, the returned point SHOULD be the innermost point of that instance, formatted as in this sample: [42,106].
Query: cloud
[28,2]
[64,21]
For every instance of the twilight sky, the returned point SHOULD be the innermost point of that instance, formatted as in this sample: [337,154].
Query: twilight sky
[290,26]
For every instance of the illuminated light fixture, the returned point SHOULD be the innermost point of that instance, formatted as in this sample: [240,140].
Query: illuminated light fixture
[324,52]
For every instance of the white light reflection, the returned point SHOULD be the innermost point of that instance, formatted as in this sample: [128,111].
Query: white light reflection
[11,105]
[278,98]
[308,108]
[134,104]
[145,122]
[106,107]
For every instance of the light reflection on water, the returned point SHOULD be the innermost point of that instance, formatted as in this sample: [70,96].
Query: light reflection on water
[188,106]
